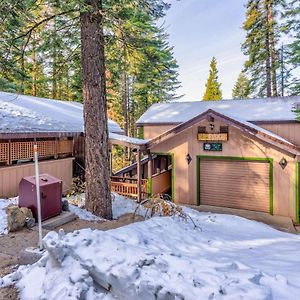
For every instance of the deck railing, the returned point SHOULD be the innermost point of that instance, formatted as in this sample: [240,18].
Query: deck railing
[126,186]
[14,151]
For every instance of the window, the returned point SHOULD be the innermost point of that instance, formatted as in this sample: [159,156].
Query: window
[201,129]
[223,129]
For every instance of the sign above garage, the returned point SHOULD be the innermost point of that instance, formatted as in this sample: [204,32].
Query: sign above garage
[212,147]
[212,136]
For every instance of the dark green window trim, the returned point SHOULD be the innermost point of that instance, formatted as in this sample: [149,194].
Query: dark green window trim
[172,171]
[236,158]
[297,192]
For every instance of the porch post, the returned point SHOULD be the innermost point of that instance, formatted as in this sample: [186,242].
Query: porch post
[139,176]
[150,168]
[110,159]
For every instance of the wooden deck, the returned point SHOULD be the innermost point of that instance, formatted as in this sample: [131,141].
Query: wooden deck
[128,187]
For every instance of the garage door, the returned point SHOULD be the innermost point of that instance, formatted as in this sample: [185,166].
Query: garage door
[235,184]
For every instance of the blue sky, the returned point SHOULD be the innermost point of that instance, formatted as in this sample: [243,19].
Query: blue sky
[199,30]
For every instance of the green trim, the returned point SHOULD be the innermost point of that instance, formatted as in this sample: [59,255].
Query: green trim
[271,184]
[297,192]
[172,171]
[236,158]
[198,179]
[149,187]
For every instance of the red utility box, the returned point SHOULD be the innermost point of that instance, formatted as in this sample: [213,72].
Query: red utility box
[50,193]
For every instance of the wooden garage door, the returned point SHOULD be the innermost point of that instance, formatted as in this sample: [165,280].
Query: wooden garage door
[235,184]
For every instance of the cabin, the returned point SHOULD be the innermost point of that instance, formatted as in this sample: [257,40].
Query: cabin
[240,154]
[57,129]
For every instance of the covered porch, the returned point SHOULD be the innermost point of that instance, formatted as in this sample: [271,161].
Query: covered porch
[150,174]
[130,186]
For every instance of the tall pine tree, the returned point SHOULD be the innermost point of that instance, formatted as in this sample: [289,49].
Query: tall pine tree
[292,28]
[213,87]
[261,46]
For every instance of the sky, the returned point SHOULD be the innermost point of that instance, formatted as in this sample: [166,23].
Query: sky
[199,30]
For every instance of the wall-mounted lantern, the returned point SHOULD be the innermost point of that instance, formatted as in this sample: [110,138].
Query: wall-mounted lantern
[283,163]
[188,158]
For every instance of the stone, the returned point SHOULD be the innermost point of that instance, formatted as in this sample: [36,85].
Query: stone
[65,205]
[57,221]
[17,216]
[30,255]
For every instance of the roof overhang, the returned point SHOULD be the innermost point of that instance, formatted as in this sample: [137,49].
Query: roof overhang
[247,128]
[31,135]
[126,141]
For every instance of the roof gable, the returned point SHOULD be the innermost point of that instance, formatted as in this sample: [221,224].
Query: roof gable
[244,126]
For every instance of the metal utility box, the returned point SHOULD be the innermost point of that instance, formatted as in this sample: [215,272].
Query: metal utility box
[50,194]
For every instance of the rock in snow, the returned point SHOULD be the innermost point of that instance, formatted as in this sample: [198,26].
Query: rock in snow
[224,257]
[17,216]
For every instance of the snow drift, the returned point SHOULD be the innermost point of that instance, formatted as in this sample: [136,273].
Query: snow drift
[224,257]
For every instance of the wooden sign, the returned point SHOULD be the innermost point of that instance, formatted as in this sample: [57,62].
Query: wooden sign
[212,147]
[212,137]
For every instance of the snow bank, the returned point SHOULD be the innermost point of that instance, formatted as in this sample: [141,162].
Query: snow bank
[224,257]
[120,206]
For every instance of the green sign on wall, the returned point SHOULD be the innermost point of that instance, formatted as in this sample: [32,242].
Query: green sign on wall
[212,147]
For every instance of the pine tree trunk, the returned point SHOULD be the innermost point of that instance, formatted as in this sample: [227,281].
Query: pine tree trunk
[268,54]
[98,197]
[272,51]
[124,90]
[282,70]
[54,65]
[34,67]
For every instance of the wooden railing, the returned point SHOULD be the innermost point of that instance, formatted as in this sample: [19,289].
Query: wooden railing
[128,186]
[14,151]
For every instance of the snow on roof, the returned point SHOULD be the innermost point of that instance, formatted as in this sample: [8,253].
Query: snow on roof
[262,109]
[234,121]
[20,113]
[253,126]
[127,139]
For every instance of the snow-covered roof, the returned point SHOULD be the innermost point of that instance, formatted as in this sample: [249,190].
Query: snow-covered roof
[239,123]
[255,127]
[262,109]
[20,113]
[123,139]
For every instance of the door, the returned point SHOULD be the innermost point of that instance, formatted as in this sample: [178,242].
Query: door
[234,183]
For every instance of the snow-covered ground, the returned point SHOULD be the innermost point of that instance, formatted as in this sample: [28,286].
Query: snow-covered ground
[224,257]
[120,205]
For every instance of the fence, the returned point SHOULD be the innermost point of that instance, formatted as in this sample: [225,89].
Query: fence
[128,186]
[15,151]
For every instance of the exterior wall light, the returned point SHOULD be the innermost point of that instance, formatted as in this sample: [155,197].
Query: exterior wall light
[188,158]
[212,126]
[283,163]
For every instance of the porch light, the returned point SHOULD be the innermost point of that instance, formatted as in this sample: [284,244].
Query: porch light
[188,158]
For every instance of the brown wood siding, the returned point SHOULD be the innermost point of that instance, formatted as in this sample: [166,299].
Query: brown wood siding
[235,184]
[11,176]
[161,183]
[289,131]
[151,132]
